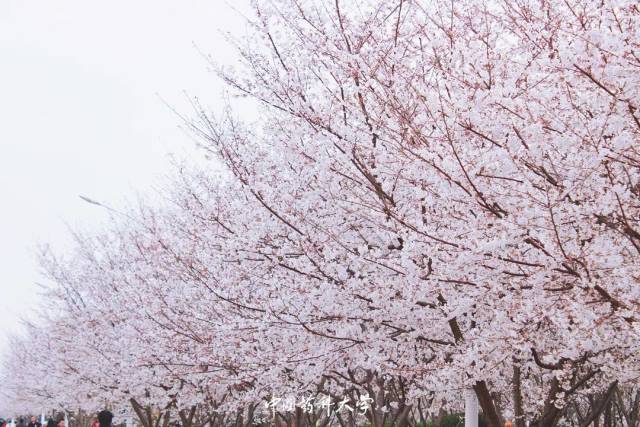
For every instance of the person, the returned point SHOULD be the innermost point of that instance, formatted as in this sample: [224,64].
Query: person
[21,422]
[61,422]
[95,422]
[51,422]
[104,418]
[34,423]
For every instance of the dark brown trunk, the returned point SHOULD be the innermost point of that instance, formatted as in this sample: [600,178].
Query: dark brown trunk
[141,413]
[486,401]
[491,413]
[600,406]
[550,413]
[517,397]
[186,418]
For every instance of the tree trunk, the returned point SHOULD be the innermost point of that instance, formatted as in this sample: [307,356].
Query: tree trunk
[517,397]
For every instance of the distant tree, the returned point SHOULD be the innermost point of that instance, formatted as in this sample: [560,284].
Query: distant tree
[437,196]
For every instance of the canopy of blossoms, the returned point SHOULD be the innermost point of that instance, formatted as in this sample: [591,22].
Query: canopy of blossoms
[437,196]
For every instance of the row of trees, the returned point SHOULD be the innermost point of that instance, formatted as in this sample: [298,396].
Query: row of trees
[438,196]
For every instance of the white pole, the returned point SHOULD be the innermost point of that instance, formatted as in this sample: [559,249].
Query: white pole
[42,419]
[470,409]
[66,420]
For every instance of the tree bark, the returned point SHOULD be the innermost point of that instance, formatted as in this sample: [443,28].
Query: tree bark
[517,397]
[598,408]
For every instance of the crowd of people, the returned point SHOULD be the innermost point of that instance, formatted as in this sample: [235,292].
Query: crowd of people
[103,419]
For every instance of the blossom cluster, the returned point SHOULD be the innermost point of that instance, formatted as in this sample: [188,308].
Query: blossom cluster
[437,196]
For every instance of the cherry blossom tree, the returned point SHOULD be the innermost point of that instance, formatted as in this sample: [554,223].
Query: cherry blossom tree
[437,196]
[480,154]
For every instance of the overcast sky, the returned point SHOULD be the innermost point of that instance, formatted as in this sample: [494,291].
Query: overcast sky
[81,84]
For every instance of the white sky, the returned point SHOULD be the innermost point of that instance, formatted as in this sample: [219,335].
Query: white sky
[80,113]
